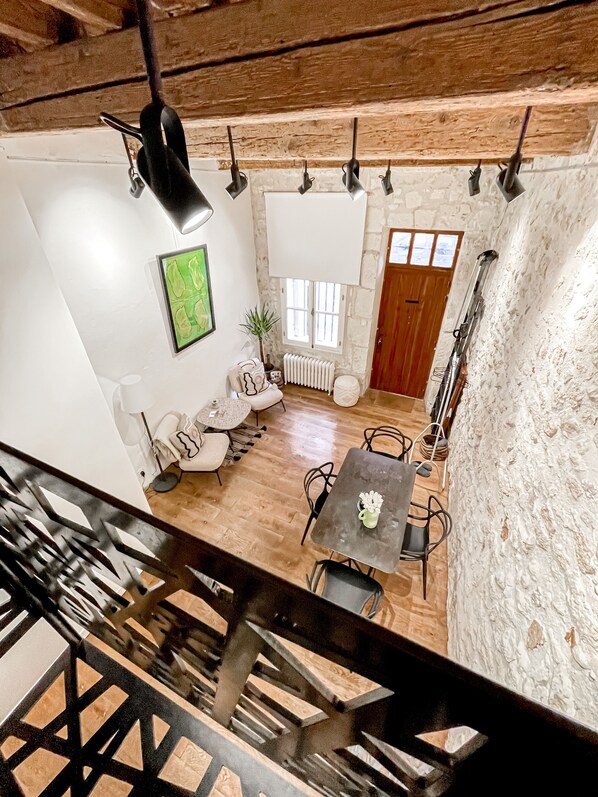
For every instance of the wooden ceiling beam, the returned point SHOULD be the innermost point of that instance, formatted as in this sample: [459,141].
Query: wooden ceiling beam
[281,59]
[380,163]
[27,23]
[440,136]
[100,14]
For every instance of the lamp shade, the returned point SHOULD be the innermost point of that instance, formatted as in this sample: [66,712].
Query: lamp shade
[134,394]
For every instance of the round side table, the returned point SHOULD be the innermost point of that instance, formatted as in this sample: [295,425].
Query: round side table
[224,414]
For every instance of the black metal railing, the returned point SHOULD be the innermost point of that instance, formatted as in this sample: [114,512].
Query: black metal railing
[260,656]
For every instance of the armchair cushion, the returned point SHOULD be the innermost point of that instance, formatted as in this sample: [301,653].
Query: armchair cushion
[211,455]
[252,377]
[187,439]
[267,398]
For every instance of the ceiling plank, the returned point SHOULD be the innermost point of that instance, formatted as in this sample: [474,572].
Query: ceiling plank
[441,64]
[259,165]
[453,135]
[27,23]
[100,14]
[201,39]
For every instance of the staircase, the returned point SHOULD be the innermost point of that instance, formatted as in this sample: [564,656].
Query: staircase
[166,649]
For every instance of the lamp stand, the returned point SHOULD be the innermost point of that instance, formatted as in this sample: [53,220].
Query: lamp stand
[164,482]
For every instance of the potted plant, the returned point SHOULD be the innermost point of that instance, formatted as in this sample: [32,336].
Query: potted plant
[258,323]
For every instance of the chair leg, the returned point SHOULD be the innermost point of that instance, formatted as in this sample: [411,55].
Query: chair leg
[424,574]
[309,520]
[257,418]
[282,402]
[218,474]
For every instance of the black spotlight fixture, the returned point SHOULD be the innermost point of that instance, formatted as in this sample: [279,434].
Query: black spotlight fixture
[474,180]
[307,181]
[239,180]
[351,170]
[386,183]
[137,184]
[162,161]
[509,183]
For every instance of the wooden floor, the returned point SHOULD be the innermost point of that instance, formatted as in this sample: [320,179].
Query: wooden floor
[260,511]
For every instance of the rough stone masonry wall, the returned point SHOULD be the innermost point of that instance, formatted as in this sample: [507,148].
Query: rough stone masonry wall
[424,198]
[523,556]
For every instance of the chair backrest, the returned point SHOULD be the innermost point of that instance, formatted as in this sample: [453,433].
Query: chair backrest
[434,514]
[387,434]
[167,426]
[235,379]
[346,587]
[318,481]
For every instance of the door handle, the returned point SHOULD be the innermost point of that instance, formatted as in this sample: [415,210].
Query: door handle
[411,301]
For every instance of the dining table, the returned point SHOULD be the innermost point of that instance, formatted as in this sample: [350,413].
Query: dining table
[338,526]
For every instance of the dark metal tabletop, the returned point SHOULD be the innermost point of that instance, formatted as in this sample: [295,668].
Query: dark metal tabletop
[338,526]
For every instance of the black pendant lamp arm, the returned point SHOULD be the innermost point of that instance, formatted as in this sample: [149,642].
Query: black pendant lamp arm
[120,126]
[354,149]
[229,131]
[150,50]
[515,160]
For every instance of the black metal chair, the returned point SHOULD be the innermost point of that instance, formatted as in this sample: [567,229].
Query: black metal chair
[416,543]
[317,478]
[346,587]
[387,433]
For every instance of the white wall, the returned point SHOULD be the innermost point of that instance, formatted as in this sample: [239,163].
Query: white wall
[425,198]
[523,557]
[102,246]
[51,405]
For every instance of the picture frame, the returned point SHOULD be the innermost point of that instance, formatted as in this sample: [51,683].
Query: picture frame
[185,277]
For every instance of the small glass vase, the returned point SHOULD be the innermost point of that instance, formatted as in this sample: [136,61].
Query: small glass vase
[369,519]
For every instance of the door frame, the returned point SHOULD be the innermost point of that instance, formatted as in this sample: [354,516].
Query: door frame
[410,267]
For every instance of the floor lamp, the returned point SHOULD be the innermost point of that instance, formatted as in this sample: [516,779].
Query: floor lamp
[136,399]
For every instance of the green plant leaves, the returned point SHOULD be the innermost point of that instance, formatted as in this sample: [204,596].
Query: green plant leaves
[259,322]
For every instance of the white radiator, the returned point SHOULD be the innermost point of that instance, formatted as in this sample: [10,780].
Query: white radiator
[308,371]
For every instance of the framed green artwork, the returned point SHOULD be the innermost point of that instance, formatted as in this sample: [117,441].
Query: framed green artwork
[188,293]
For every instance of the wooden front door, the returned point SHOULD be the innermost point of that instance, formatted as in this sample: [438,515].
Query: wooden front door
[414,296]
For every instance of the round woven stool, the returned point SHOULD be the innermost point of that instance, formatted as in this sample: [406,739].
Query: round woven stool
[346,391]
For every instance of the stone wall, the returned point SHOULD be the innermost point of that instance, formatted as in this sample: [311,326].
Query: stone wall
[523,557]
[425,198]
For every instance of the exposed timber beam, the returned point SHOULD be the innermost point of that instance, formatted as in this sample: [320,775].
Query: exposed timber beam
[100,14]
[27,23]
[439,136]
[284,59]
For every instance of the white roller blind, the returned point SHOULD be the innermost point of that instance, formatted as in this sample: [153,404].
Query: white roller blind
[317,236]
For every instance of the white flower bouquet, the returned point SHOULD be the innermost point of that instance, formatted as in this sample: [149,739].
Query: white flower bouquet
[372,502]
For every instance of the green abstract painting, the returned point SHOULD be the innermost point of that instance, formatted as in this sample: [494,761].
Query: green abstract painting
[186,280]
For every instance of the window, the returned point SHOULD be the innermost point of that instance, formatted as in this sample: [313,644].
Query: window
[313,313]
[424,248]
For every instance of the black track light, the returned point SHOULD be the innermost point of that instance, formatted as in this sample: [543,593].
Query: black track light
[509,183]
[137,184]
[162,161]
[307,181]
[239,180]
[351,170]
[474,180]
[386,183]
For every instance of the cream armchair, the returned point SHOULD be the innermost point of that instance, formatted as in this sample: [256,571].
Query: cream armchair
[211,454]
[262,401]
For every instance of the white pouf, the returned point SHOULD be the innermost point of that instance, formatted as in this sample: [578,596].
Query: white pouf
[346,391]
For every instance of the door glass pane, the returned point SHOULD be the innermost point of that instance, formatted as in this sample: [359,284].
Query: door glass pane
[297,326]
[399,247]
[328,297]
[422,248]
[444,255]
[326,330]
[297,293]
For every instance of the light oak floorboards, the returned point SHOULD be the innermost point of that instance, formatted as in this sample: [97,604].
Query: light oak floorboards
[260,511]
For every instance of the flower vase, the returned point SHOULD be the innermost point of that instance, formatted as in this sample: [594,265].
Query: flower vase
[369,519]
